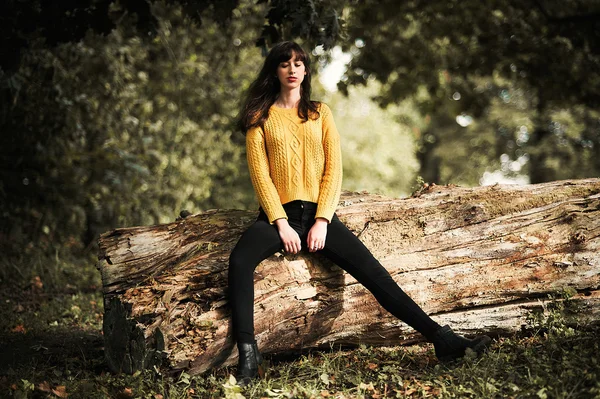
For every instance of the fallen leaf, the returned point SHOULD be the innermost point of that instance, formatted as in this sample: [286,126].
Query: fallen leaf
[36,283]
[158,396]
[372,366]
[44,386]
[324,394]
[325,378]
[368,387]
[19,329]
[60,391]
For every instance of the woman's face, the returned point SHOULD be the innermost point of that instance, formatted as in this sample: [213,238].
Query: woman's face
[291,73]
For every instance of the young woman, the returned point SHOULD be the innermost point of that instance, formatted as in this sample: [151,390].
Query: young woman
[295,164]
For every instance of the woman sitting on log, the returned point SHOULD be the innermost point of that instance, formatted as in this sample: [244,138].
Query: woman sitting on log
[294,158]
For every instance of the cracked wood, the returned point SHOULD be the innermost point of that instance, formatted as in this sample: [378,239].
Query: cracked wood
[480,259]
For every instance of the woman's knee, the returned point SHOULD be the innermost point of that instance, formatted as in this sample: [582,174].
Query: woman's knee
[243,259]
[237,261]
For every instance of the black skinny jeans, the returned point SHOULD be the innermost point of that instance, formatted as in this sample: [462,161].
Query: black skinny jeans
[262,240]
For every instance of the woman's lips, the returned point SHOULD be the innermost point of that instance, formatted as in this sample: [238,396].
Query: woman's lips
[292,79]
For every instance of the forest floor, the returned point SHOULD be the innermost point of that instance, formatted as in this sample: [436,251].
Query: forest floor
[51,347]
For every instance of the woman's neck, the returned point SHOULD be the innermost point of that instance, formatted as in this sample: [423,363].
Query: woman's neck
[288,99]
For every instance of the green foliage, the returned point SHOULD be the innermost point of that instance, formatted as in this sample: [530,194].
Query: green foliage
[317,22]
[462,59]
[150,134]
[569,147]
[410,44]
[108,127]
[377,146]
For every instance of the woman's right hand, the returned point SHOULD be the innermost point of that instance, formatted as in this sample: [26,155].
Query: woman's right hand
[291,239]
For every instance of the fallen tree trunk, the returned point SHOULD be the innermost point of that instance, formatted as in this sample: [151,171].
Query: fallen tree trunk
[480,259]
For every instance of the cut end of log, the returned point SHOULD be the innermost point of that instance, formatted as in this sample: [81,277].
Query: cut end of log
[126,349]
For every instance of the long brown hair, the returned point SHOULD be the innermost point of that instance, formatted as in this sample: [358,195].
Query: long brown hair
[264,90]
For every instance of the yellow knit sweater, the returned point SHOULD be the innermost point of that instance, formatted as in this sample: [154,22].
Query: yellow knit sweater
[290,159]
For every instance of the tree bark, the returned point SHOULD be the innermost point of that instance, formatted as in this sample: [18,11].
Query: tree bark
[480,259]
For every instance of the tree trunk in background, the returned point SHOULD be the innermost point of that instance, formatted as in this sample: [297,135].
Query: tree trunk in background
[429,161]
[480,259]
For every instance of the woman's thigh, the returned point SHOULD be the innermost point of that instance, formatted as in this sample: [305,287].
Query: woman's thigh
[257,243]
[348,252]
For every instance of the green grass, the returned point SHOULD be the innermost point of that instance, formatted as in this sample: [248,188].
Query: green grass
[51,345]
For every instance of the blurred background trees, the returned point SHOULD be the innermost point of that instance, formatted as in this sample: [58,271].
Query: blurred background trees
[504,84]
[127,128]
[117,113]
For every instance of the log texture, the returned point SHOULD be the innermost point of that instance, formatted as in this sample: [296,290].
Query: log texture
[480,259]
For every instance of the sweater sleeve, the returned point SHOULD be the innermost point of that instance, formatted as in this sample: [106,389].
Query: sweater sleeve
[258,165]
[331,183]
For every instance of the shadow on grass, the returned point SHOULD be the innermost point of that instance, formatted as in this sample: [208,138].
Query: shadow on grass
[56,350]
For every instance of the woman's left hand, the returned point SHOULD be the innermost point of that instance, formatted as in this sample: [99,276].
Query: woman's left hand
[316,235]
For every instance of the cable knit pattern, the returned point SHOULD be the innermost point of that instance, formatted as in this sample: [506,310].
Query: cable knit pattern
[290,159]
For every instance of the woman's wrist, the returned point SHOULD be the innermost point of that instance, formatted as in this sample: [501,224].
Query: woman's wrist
[321,220]
[281,222]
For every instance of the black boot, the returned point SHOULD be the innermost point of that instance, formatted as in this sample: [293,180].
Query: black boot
[249,363]
[451,346]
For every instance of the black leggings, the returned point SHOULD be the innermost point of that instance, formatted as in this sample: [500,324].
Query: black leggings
[262,240]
